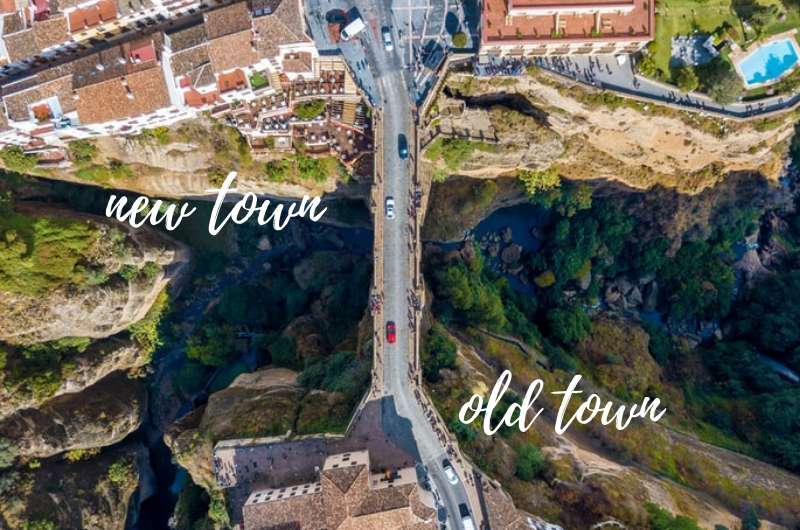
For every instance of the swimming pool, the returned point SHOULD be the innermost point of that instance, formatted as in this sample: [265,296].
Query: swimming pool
[769,62]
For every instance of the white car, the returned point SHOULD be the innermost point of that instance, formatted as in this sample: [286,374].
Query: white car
[389,208]
[449,472]
[387,40]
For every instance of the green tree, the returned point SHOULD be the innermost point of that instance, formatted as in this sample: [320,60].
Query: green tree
[438,352]
[82,151]
[8,452]
[539,181]
[213,345]
[719,81]
[569,324]
[121,473]
[530,463]
[686,79]
[460,40]
[283,352]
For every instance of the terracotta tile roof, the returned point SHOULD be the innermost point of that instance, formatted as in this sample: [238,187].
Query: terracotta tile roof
[17,104]
[634,21]
[232,51]
[86,17]
[8,6]
[51,32]
[110,63]
[187,60]
[193,98]
[12,23]
[231,81]
[187,37]
[21,45]
[284,25]
[123,97]
[297,62]
[343,478]
[346,502]
[227,20]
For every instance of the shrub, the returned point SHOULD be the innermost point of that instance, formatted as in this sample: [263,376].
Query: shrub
[570,324]
[460,40]
[277,170]
[283,352]
[121,473]
[146,332]
[128,272]
[539,181]
[15,159]
[76,455]
[8,452]
[40,524]
[530,462]
[686,79]
[82,151]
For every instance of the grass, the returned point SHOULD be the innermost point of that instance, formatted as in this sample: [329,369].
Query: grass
[105,173]
[682,17]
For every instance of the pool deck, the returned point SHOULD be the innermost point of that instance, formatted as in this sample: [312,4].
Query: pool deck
[738,55]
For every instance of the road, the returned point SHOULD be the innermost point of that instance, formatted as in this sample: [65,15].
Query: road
[387,68]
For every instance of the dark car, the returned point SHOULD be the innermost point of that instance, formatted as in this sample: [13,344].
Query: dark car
[391,332]
[402,146]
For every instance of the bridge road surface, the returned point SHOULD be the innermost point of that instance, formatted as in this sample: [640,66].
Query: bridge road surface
[387,68]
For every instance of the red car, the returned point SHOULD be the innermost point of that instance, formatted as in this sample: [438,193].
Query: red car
[391,332]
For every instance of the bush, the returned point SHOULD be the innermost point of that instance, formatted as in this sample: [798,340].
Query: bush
[686,79]
[530,462]
[128,272]
[460,40]
[122,473]
[115,169]
[438,352]
[570,324]
[539,181]
[82,151]
[146,332]
[308,110]
[283,352]
[660,519]
[15,159]
[40,524]
[278,170]
[8,452]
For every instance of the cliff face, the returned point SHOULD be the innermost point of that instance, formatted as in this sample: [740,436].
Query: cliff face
[265,403]
[100,415]
[542,121]
[94,284]
[92,494]
[86,368]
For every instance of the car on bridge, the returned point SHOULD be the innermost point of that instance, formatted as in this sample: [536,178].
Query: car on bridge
[391,332]
[390,207]
[402,146]
[466,518]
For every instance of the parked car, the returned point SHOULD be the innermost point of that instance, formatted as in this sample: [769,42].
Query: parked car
[389,207]
[449,472]
[402,146]
[391,332]
[387,40]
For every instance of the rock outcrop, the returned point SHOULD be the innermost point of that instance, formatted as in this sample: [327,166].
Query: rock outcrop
[101,415]
[94,309]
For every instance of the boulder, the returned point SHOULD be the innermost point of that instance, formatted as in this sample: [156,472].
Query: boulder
[511,254]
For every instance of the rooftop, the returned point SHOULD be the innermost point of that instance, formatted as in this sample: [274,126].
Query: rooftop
[130,95]
[232,51]
[342,498]
[281,23]
[226,20]
[600,21]
[186,37]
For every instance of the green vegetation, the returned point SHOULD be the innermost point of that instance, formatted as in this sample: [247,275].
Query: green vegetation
[719,80]
[82,151]
[308,110]
[539,181]
[686,79]
[438,352]
[661,519]
[8,452]
[531,463]
[103,174]
[39,254]
[40,524]
[460,40]
[304,167]
[342,372]
[122,473]
[76,455]
[157,135]
[454,151]
[146,332]
[15,159]
[257,80]
[37,371]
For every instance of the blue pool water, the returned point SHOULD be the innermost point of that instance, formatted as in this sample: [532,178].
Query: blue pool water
[769,62]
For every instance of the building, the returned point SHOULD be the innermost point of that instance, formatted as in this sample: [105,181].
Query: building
[565,27]
[346,497]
